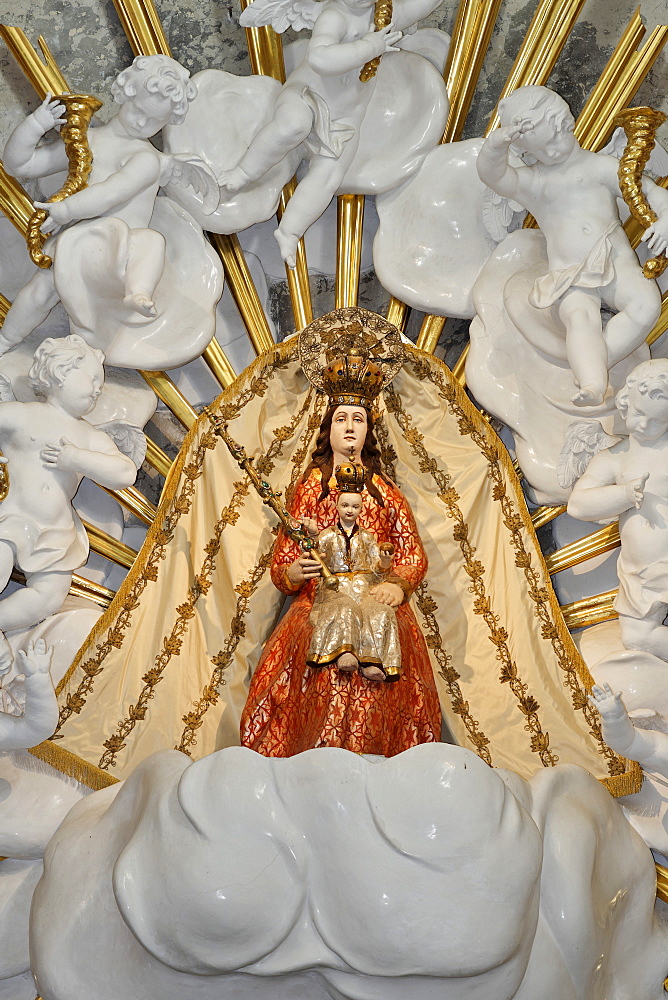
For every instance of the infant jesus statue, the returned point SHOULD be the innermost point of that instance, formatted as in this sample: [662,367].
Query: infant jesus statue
[351,629]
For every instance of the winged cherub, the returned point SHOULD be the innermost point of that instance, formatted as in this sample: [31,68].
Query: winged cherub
[323,101]
[126,175]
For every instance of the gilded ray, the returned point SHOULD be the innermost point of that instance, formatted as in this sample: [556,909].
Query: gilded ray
[430,332]
[135,502]
[603,540]
[141,24]
[45,76]
[14,201]
[543,515]
[349,224]
[397,312]
[545,38]
[172,397]
[471,36]
[216,359]
[103,543]
[243,291]
[590,610]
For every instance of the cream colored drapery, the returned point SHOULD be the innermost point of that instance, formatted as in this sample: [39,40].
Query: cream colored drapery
[168,664]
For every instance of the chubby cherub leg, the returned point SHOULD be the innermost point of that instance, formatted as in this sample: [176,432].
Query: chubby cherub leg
[42,596]
[29,310]
[638,305]
[347,662]
[313,195]
[291,123]
[146,262]
[586,349]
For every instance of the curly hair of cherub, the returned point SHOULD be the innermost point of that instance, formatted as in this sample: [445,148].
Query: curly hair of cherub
[157,75]
[535,104]
[55,357]
[649,379]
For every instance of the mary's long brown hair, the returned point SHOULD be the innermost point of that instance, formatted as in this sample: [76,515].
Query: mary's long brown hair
[322,457]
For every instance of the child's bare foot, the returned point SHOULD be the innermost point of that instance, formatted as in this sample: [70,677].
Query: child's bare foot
[233,180]
[347,662]
[588,395]
[141,303]
[287,244]
[373,673]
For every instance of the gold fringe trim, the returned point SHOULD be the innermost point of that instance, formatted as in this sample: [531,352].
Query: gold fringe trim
[73,766]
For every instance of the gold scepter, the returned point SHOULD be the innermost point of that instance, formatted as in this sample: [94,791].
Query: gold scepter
[291,526]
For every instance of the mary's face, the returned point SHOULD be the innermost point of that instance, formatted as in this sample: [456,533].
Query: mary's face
[348,433]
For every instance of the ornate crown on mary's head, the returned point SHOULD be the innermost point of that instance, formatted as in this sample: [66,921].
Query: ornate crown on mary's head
[361,351]
[350,478]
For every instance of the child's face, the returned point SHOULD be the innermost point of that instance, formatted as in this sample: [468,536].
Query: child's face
[646,417]
[81,387]
[144,115]
[546,143]
[349,507]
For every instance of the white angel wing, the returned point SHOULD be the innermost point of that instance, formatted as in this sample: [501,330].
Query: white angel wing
[187,170]
[617,145]
[281,14]
[500,215]
[129,439]
[584,438]
[6,391]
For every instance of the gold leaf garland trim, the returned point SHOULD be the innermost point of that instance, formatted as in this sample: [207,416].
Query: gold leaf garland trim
[539,594]
[195,717]
[172,643]
[201,585]
[428,608]
[527,704]
[116,620]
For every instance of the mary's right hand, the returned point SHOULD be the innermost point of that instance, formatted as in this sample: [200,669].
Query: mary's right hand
[302,570]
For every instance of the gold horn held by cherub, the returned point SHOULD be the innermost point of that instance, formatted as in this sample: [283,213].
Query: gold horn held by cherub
[80,108]
[382,16]
[640,125]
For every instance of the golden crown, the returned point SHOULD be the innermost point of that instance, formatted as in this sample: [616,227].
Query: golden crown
[350,478]
[352,380]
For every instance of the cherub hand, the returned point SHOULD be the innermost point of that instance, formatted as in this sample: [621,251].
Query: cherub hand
[609,704]
[508,134]
[387,593]
[311,526]
[60,456]
[60,213]
[384,40]
[49,114]
[36,659]
[656,235]
[635,490]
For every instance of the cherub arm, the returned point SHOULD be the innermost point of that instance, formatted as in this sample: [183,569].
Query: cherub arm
[597,496]
[328,55]
[23,157]
[139,173]
[649,748]
[41,708]
[492,164]
[102,462]
[656,235]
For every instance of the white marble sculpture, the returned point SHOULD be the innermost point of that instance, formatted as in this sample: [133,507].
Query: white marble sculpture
[48,448]
[244,873]
[131,270]
[573,194]
[642,736]
[322,103]
[629,480]
[40,713]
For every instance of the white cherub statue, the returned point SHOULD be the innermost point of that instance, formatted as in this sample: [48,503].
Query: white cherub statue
[126,174]
[630,480]
[40,714]
[48,448]
[323,101]
[572,193]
